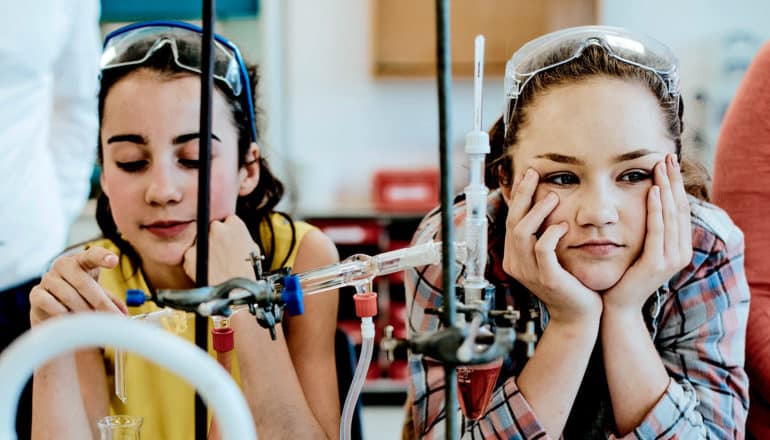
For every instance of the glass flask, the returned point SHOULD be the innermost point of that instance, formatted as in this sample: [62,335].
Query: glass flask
[475,385]
[120,427]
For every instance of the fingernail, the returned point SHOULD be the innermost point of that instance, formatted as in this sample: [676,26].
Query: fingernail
[530,174]
[109,259]
[552,197]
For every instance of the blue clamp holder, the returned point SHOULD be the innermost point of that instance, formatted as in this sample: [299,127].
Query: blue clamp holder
[291,295]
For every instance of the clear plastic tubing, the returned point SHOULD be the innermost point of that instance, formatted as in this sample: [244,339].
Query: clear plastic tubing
[367,348]
[359,269]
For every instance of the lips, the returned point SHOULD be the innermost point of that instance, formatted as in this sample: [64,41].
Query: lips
[167,228]
[599,248]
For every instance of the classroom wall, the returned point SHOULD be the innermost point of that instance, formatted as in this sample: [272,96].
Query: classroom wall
[331,123]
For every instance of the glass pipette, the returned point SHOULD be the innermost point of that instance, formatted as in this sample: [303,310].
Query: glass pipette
[170,319]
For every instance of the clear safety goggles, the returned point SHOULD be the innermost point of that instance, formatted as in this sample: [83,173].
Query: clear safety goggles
[136,43]
[561,47]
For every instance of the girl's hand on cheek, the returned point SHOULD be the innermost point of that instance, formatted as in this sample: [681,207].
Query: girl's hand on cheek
[532,261]
[230,248]
[667,243]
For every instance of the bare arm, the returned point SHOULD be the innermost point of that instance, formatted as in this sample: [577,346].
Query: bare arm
[80,379]
[51,415]
[551,378]
[69,393]
[635,373]
[301,368]
[290,383]
[311,337]
[93,386]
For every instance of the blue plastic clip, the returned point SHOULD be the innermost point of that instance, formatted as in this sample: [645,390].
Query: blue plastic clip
[292,295]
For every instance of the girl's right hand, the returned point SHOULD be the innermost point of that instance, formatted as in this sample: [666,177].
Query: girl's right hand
[532,260]
[71,286]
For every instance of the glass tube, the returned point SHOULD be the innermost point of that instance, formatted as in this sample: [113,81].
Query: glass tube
[172,320]
[360,268]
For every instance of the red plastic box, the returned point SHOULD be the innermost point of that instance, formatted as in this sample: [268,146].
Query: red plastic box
[405,190]
[350,232]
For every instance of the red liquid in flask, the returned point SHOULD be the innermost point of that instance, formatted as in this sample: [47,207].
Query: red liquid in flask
[475,385]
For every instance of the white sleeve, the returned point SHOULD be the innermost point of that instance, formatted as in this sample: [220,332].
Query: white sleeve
[74,119]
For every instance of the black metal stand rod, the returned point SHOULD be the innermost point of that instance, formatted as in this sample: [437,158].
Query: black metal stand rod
[444,77]
[204,181]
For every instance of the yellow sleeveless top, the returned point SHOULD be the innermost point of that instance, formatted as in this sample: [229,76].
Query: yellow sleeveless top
[165,401]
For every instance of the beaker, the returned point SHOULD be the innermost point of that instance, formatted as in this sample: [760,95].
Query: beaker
[120,427]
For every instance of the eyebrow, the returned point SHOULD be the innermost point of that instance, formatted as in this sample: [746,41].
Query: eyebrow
[571,160]
[633,155]
[133,138]
[140,140]
[182,138]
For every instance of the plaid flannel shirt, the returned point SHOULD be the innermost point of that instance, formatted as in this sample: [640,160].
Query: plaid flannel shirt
[697,321]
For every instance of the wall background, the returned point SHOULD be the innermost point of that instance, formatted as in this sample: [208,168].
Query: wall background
[330,123]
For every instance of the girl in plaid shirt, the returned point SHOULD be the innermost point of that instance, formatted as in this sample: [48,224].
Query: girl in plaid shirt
[603,235]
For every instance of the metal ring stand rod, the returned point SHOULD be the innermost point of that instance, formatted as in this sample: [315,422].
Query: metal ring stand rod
[204,184]
[444,78]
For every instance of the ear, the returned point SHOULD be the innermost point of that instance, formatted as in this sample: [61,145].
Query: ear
[249,172]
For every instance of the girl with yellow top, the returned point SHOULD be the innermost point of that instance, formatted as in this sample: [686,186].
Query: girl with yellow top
[148,148]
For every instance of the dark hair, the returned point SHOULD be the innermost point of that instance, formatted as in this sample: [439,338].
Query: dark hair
[594,61]
[255,208]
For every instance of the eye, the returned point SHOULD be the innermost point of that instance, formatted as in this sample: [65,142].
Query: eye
[562,179]
[133,166]
[634,176]
[190,163]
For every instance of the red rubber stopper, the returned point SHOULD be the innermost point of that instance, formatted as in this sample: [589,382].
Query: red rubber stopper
[223,339]
[366,304]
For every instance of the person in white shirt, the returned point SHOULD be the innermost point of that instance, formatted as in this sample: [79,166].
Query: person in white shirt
[49,54]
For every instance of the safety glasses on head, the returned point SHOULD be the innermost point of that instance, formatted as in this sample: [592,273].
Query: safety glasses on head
[561,47]
[136,43]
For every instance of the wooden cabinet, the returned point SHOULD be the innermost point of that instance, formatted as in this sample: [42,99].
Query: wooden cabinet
[405,31]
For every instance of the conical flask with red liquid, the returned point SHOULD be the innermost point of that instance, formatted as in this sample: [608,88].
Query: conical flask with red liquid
[475,384]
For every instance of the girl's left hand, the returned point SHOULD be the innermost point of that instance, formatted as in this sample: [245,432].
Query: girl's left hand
[230,248]
[667,245]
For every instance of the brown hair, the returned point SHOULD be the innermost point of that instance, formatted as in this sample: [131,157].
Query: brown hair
[594,61]
[254,208]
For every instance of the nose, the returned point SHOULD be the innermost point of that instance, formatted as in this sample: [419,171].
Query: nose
[164,188]
[597,207]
